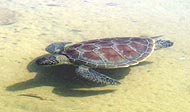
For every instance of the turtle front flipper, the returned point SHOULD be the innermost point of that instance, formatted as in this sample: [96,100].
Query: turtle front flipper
[95,76]
[57,47]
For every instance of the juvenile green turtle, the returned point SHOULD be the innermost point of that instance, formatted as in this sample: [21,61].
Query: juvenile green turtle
[107,53]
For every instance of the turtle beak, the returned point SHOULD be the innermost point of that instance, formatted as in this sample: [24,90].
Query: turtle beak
[47,60]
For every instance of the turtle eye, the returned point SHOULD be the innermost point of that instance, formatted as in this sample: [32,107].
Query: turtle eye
[53,62]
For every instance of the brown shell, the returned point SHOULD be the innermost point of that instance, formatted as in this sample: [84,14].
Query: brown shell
[110,52]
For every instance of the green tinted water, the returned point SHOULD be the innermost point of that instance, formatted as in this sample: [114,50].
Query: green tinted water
[27,27]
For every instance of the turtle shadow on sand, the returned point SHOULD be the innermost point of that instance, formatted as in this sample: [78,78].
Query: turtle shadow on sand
[65,80]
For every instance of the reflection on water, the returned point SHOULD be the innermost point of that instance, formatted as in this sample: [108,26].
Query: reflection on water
[64,79]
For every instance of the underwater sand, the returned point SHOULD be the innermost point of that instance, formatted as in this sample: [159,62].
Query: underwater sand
[161,84]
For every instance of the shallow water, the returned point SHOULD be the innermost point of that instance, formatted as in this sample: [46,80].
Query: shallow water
[162,83]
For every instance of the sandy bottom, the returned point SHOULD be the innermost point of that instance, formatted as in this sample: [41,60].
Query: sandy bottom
[161,84]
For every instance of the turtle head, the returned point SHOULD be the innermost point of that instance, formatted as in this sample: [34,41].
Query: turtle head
[57,47]
[51,60]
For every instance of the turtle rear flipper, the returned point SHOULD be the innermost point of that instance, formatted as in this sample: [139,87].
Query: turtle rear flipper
[163,44]
[95,76]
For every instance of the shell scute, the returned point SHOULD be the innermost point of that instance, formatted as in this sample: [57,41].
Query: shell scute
[138,47]
[72,53]
[91,55]
[104,43]
[149,50]
[140,40]
[122,41]
[127,52]
[88,47]
[110,54]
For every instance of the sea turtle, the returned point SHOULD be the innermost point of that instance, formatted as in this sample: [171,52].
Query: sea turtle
[107,53]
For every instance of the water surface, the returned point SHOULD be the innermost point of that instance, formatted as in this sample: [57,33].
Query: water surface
[27,27]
